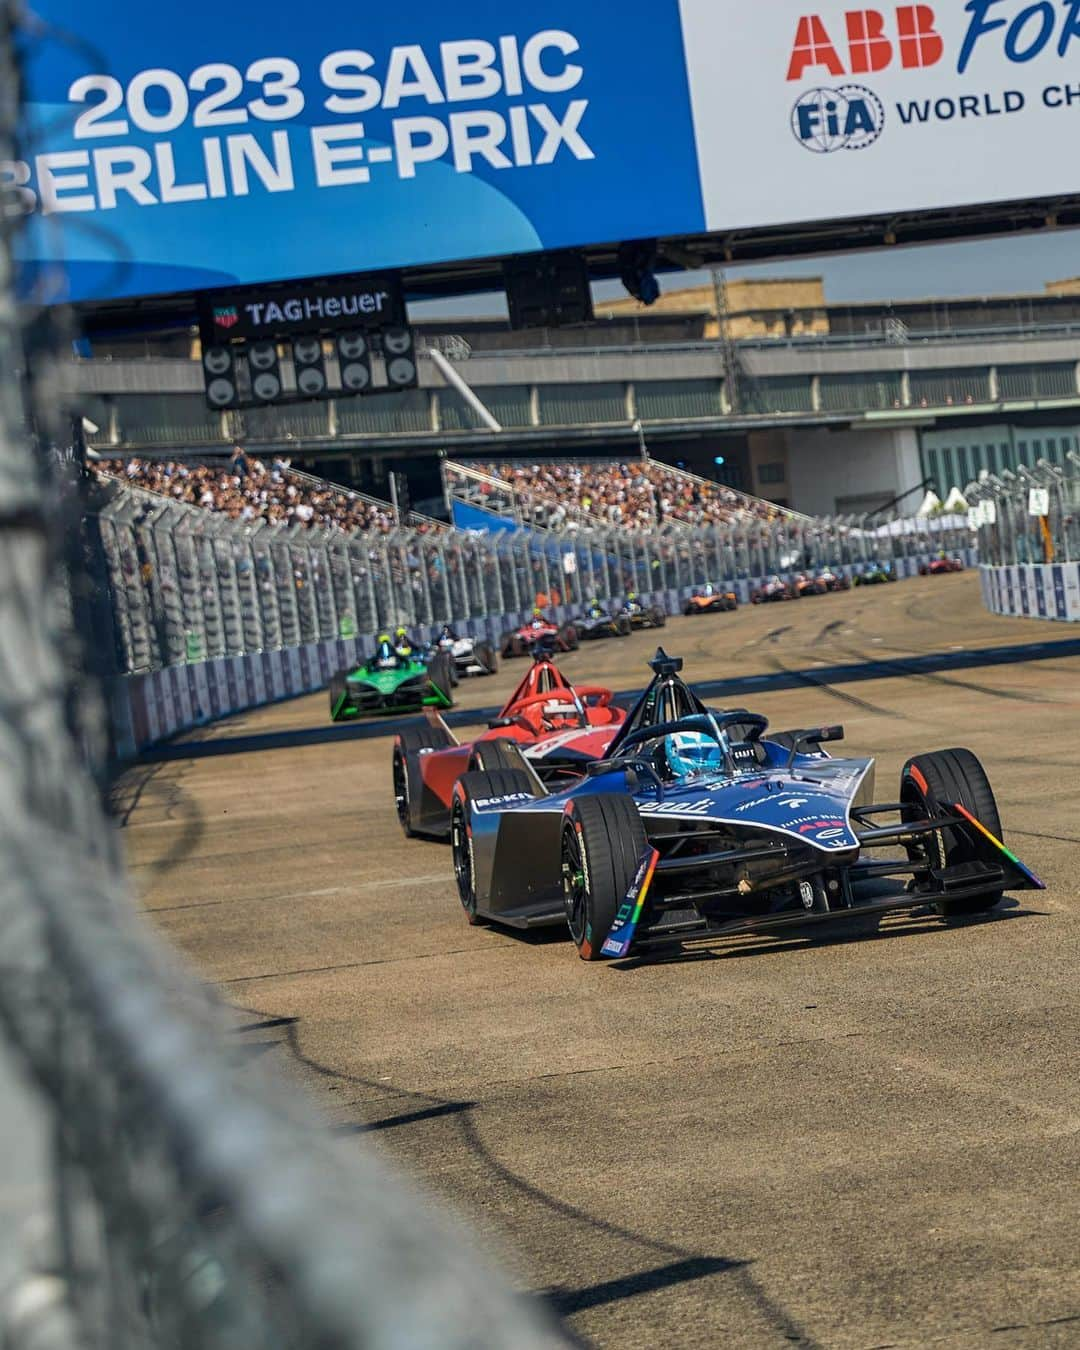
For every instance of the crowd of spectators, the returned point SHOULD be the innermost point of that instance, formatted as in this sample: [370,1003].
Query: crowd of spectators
[641,494]
[246,488]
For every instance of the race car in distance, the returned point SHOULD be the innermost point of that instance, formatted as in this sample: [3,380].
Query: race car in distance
[874,574]
[710,599]
[833,581]
[548,728]
[805,583]
[936,566]
[701,824]
[596,622]
[395,679]
[468,656]
[772,588]
[642,616]
[539,635]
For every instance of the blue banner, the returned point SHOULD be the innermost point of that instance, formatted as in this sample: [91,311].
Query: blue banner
[180,146]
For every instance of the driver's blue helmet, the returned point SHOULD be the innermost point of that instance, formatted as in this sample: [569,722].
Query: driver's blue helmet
[690,752]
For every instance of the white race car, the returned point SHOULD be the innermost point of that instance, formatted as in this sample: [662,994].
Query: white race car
[470,656]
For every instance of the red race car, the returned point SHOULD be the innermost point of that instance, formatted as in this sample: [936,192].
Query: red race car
[539,637]
[548,727]
[938,565]
[771,589]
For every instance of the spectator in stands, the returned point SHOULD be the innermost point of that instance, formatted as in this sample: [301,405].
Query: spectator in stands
[638,494]
[245,488]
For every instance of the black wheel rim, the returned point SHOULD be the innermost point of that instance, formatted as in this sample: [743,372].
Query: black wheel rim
[461,847]
[401,791]
[575,884]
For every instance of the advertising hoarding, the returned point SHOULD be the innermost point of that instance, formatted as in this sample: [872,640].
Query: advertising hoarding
[199,144]
[196,145]
[811,111]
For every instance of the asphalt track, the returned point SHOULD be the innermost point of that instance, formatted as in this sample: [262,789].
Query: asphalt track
[863,1139]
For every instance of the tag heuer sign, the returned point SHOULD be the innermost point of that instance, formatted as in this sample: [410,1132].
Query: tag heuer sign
[279,310]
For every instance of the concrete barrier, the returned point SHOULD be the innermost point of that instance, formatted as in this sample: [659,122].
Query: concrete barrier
[1033,590]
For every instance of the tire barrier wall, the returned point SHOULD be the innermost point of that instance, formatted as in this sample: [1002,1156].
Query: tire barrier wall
[1033,590]
[149,708]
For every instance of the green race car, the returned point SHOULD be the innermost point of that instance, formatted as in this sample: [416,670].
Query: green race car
[392,682]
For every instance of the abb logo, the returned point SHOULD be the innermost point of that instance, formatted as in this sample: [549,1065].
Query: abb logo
[869,45]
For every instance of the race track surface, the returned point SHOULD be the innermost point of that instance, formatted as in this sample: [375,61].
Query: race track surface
[856,1141]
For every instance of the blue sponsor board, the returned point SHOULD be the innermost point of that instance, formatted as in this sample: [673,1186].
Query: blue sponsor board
[195,145]
[1061,607]
[1040,592]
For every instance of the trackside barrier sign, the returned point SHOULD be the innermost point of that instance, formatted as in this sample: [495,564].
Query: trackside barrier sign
[186,145]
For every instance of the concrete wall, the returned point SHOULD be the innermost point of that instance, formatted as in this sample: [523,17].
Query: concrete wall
[825,467]
[1034,590]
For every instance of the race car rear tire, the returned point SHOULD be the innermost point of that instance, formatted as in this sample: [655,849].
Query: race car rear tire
[952,776]
[484,656]
[337,688]
[602,843]
[406,768]
[494,783]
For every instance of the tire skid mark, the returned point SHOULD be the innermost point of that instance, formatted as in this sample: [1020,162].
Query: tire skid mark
[852,700]
[902,671]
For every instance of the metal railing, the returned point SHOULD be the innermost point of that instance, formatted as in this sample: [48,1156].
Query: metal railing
[189,584]
[1011,529]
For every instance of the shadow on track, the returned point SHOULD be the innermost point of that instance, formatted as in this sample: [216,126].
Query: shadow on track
[739,687]
[681,1266]
[850,929]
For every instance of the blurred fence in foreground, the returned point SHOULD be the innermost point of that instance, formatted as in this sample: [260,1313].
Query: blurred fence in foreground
[191,585]
[195,1206]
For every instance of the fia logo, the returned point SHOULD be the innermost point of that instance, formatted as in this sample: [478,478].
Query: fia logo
[848,118]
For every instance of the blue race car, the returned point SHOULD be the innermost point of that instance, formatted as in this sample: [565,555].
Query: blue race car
[699,823]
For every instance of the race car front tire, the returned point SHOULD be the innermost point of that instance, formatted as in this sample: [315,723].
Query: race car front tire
[950,777]
[623,626]
[500,753]
[442,675]
[657,617]
[494,783]
[603,840]
[407,779]
[568,638]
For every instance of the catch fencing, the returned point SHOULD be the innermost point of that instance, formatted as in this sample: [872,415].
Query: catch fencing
[190,585]
[195,1205]
[1028,527]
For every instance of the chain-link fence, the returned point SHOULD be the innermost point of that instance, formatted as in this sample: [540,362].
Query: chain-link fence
[195,1206]
[1031,516]
[190,584]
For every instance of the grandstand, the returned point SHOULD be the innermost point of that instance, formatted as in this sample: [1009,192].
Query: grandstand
[636,494]
[834,409]
[245,488]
